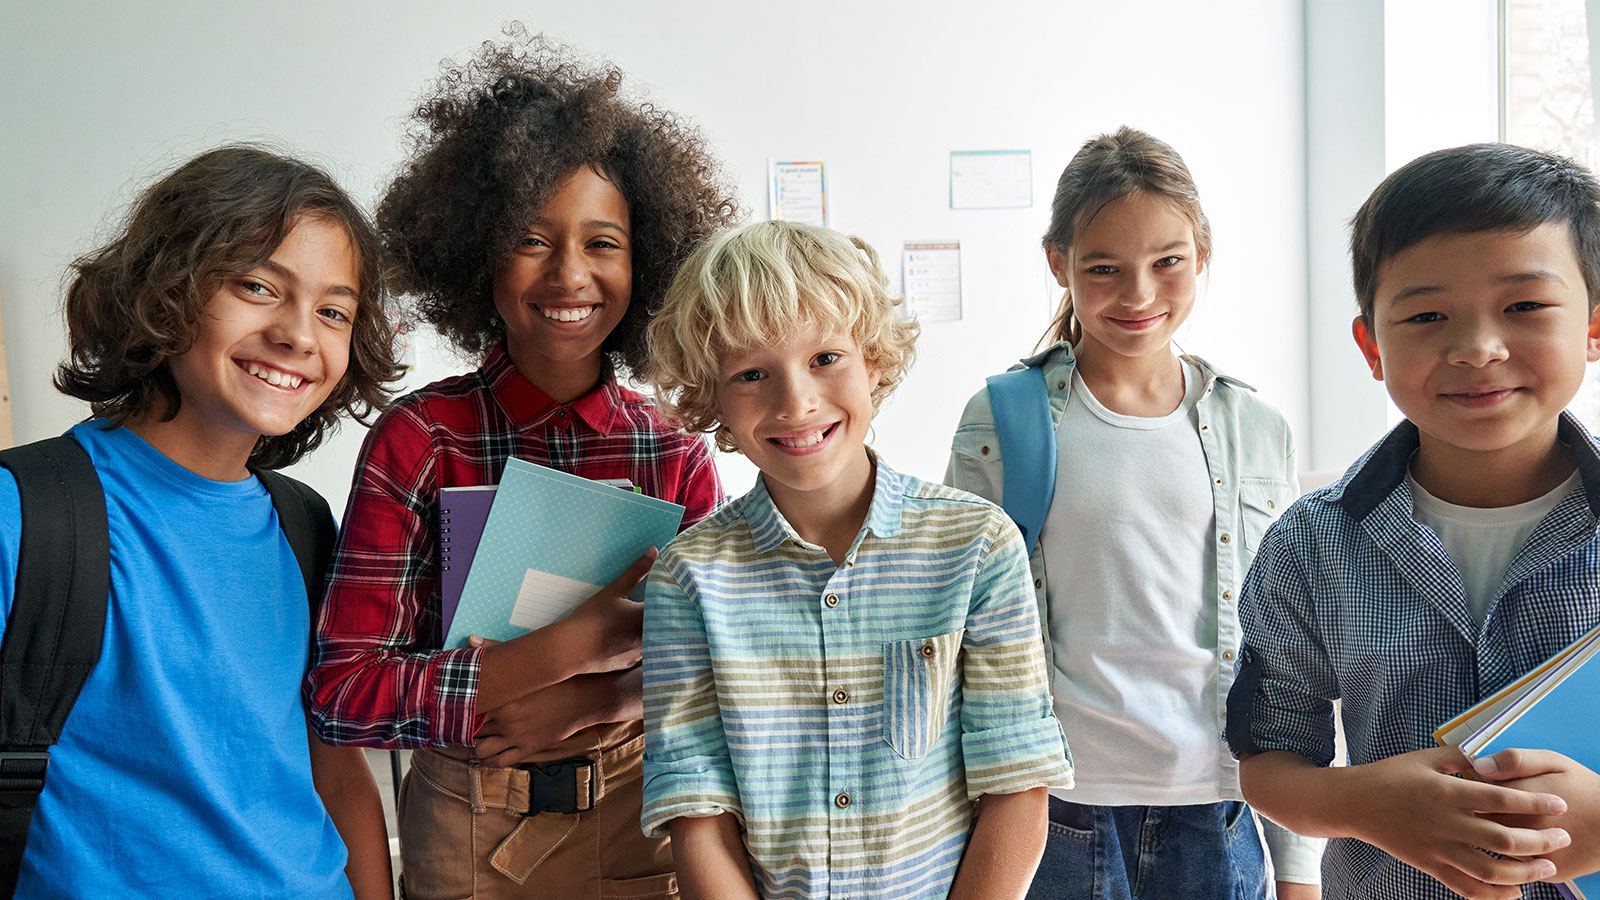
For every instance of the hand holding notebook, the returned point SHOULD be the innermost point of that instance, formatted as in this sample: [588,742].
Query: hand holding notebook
[1550,708]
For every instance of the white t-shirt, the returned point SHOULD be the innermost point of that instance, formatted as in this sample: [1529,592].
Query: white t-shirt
[1482,542]
[1130,531]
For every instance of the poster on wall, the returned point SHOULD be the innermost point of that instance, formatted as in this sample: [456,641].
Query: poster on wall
[797,192]
[991,179]
[932,279]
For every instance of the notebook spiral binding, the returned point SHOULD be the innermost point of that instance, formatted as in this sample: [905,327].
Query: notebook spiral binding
[444,542]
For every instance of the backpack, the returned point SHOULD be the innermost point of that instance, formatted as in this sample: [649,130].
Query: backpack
[58,611]
[1020,403]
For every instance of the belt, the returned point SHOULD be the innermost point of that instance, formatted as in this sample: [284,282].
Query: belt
[566,786]
[562,786]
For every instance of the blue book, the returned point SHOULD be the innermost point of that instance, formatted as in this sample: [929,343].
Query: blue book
[1550,708]
[552,539]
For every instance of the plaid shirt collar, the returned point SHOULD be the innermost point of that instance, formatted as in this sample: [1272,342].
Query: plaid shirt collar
[769,529]
[525,405]
[1374,493]
[1374,476]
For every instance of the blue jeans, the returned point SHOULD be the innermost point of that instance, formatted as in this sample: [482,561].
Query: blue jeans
[1210,851]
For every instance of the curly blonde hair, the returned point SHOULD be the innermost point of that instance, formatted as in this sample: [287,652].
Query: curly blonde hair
[760,284]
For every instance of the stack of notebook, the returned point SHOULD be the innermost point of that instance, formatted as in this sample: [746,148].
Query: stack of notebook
[523,554]
[1551,708]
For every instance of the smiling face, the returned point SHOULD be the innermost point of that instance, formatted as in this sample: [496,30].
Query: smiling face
[567,285]
[272,346]
[801,410]
[1132,272]
[1481,339]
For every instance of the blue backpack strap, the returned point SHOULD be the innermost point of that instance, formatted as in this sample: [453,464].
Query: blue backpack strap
[1020,402]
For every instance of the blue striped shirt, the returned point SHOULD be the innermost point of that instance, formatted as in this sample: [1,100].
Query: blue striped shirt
[1351,599]
[848,715]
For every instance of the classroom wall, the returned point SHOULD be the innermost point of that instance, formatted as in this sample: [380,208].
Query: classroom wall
[99,98]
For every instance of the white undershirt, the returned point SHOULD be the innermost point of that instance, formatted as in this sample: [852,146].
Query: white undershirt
[1128,544]
[1482,542]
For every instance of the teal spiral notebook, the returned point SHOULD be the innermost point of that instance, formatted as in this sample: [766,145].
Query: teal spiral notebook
[552,539]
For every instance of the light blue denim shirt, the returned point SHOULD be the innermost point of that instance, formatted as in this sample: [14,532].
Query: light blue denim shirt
[1249,453]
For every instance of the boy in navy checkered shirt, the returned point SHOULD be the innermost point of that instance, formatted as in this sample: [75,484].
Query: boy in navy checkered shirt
[1457,554]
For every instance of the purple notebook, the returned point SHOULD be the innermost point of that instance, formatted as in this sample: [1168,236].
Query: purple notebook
[462,512]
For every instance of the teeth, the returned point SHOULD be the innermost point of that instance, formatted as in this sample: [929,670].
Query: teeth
[809,440]
[567,314]
[273,376]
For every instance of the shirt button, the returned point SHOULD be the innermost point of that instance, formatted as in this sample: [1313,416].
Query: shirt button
[927,650]
[1225,537]
[984,450]
[561,414]
[1204,427]
[1271,505]
[832,600]
[1227,654]
[1038,583]
[842,801]
[1227,595]
[1219,481]
[1061,385]
[841,695]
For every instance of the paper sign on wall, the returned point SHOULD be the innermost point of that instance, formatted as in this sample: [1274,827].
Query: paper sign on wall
[797,192]
[991,179]
[932,271]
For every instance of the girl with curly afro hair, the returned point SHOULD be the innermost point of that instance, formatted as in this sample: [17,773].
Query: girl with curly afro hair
[537,222]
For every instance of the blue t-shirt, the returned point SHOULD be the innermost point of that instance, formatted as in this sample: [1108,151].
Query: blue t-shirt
[183,770]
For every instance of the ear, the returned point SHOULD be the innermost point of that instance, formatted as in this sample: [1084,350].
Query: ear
[1058,265]
[1368,342]
[1592,345]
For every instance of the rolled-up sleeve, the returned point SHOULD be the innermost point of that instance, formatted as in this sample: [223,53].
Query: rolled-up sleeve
[1010,738]
[1285,685]
[687,770]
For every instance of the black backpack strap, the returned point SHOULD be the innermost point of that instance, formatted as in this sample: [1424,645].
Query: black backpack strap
[57,622]
[308,524]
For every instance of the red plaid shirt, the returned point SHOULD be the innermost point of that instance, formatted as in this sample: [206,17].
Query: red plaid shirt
[378,676]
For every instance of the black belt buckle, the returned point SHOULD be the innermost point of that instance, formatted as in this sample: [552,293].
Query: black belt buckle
[553,787]
[22,775]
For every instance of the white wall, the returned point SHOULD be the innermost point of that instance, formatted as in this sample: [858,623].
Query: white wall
[99,98]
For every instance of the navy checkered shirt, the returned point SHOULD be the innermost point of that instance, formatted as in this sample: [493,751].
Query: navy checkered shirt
[1351,599]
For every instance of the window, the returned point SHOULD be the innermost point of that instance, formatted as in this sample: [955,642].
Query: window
[1547,102]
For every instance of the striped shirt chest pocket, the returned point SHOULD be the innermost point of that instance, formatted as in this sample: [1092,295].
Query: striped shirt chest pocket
[917,676]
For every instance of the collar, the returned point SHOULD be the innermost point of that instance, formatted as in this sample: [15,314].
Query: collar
[1061,354]
[526,405]
[1376,474]
[769,529]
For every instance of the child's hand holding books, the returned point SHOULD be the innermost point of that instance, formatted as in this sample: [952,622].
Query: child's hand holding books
[544,686]
[1545,771]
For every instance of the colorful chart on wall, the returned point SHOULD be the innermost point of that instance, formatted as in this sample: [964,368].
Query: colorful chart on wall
[797,192]
[932,273]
